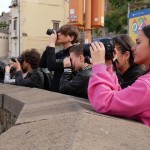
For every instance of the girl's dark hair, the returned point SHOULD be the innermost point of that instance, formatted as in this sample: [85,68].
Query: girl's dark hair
[146,31]
[125,43]
[71,31]
[32,57]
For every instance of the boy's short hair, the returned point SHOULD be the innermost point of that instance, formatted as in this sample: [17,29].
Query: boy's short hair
[71,31]
[32,57]
[77,49]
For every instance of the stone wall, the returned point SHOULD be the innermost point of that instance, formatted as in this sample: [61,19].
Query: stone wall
[51,121]
[7,120]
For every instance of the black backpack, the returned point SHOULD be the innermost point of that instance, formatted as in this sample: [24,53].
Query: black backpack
[47,80]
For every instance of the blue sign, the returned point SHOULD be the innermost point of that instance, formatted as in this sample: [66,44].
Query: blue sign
[139,13]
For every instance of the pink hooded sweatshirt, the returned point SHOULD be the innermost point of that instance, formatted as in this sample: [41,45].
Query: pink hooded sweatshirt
[106,96]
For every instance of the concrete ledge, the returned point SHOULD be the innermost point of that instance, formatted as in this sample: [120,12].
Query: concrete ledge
[1,100]
[48,120]
[12,105]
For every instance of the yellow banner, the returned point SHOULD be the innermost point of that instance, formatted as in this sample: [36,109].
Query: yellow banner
[136,24]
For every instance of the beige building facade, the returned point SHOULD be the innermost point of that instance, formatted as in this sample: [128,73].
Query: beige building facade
[4,43]
[4,35]
[30,21]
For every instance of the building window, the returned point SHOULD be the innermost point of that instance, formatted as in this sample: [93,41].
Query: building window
[0,37]
[15,24]
[3,37]
[56,25]
[7,38]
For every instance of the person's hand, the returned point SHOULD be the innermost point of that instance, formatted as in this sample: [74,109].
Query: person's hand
[97,50]
[67,62]
[52,39]
[16,65]
[7,69]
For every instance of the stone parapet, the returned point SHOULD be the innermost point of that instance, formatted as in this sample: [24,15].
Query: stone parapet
[51,121]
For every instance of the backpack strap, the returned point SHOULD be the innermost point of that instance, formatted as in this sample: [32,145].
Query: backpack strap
[47,80]
[40,72]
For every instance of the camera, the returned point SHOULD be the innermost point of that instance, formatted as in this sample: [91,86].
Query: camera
[109,45]
[50,31]
[20,59]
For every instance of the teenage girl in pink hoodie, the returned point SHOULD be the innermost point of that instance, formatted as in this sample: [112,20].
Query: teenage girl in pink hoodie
[105,94]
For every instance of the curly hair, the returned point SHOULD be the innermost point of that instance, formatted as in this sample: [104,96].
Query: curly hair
[32,57]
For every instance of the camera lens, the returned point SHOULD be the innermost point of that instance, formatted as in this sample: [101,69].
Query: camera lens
[108,44]
[50,31]
[13,59]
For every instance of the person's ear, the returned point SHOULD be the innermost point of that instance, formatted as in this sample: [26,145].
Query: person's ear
[82,58]
[115,54]
[71,38]
[127,55]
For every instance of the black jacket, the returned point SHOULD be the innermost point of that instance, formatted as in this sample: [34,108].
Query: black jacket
[75,85]
[54,63]
[35,79]
[130,76]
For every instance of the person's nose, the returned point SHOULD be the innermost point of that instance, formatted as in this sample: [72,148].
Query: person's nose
[58,33]
[133,48]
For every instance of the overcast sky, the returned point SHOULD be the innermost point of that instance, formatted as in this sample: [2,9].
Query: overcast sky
[4,5]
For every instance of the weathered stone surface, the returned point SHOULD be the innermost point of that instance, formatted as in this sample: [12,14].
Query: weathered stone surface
[1,100]
[55,104]
[53,121]
[12,105]
[77,131]
[6,88]
[7,120]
